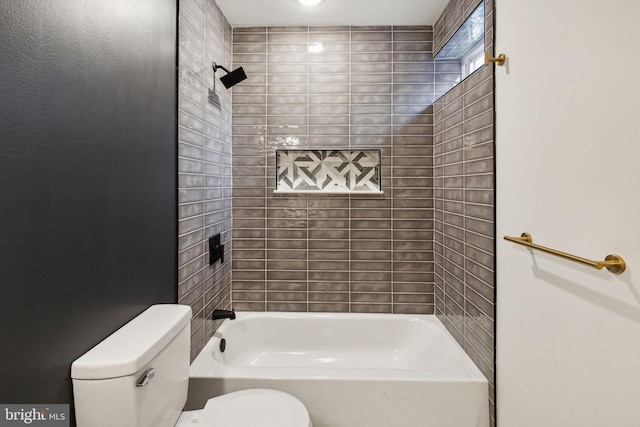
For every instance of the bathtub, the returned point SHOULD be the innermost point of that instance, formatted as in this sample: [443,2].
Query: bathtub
[349,370]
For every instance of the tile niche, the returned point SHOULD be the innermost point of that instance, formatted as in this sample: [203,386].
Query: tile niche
[328,171]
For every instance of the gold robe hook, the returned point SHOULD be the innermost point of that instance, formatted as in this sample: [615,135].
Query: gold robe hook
[499,60]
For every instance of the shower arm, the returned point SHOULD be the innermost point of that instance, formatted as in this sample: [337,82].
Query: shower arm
[216,67]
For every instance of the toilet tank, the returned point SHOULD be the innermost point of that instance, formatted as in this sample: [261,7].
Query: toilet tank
[108,380]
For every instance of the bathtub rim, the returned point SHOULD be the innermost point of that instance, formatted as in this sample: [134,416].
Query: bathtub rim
[206,366]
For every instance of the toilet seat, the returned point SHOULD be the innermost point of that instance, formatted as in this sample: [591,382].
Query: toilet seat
[254,408]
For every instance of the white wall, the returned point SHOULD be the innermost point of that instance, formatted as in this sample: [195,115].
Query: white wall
[568,172]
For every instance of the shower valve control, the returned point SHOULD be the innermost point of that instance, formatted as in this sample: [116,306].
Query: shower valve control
[216,250]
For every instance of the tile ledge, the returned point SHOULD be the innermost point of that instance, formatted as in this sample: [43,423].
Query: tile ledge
[324,192]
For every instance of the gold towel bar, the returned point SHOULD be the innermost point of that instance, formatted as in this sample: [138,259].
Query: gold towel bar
[613,263]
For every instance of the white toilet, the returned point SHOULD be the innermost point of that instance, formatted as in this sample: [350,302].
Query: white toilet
[138,377]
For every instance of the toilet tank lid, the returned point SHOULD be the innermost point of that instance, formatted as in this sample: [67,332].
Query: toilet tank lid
[134,345]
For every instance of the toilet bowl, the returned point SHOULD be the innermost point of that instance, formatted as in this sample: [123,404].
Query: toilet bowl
[138,377]
[249,408]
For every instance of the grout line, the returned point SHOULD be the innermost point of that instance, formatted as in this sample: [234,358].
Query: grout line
[307,144]
[391,156]
[349,146]
[204,204]
[266,168]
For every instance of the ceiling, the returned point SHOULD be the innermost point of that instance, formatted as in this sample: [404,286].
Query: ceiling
[249,13]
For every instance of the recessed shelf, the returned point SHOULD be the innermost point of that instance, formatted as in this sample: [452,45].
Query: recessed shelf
[331,171]
[324,192]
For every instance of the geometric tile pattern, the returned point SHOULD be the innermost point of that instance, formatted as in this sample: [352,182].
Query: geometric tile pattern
[328,171]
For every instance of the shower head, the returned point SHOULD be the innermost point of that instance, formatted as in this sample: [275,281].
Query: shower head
[232,78]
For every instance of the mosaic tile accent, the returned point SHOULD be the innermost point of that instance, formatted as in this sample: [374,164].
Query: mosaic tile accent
[331,171]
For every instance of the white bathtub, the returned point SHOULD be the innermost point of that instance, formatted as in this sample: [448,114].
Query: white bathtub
[349,370]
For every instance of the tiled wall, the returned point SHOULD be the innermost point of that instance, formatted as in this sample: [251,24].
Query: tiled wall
[454,14]
[370,87]
[464,211]
[204,164]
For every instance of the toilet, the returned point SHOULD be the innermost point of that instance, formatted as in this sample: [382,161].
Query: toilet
[139,377]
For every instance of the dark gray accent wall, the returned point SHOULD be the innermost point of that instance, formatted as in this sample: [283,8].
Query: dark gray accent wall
[87,180]
[204,165]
